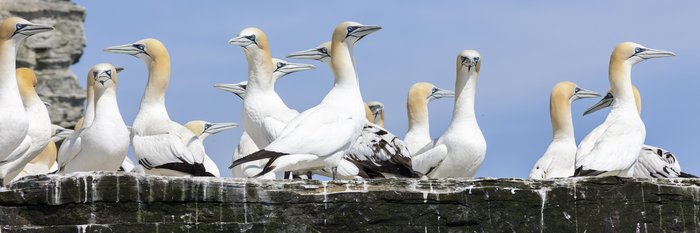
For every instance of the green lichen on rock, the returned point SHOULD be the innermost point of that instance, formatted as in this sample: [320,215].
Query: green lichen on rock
[125,202]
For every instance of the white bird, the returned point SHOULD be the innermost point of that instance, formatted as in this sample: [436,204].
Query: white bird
[14,141]
[103,144]
[612,148]
[45,162]
[377,152]
[418,135]
[89,114]
[558,160]
[264,112]
[39,125]
[653,162]
[319,137]
[246,145]
[461,148]
[162,146]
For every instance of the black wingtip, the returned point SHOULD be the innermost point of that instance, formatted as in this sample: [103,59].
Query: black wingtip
[261,154]
[581,172]
[687,175]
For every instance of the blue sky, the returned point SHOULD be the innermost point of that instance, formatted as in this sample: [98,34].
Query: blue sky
[526,48]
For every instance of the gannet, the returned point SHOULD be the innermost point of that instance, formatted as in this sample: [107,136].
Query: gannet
[89,114]
[45,162]
[14,140]
[558,159]
[264,112]
[246,145]
[39,129]
[377,152]
[461,148]
[418,134]
[162,146]
[102,144]
[653,162]
[376,108]
[612,148]
[319,137]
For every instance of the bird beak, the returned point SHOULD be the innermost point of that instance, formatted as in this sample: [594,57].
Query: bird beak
[583,93]
[125,49]
[33,28]
[654,53]
[241,41]
[364,30]
[314,54]
[119,69]
[219,127]
[61,134]
[441,93]
[603,103]
[238,88]
[376,110]
[295,67]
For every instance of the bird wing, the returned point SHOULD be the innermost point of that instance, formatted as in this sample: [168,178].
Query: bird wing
[656,162]
[377,152]
[273,127]
[320,131]
[19,150]
[430,159]
[614,150]
[191,141]
[70,148]
[166,151]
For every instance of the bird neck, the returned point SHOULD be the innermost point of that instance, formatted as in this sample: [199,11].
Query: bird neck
[89,115]
[106,108]
[343,66]
[560,115]
[8,76]
[158,78]
[418,117]
[260,70]
[464,97]
[620,76]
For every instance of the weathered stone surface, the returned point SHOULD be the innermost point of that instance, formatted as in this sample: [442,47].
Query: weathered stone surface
[124,202]
[52,53]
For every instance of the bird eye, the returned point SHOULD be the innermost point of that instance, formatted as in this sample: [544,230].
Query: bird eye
[139,47]
[109,72]
[207,126]
[19,26]
[434,90]
[323,50]
[280,65]
[476,60]
[463,58]
[577,90]
[94,74]
[638,50]
[351,28]
[251,37]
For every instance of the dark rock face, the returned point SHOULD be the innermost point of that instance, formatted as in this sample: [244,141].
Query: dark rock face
[52,53]
[123,202]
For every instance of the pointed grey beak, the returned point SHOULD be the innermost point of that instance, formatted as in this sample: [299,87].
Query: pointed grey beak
[294,67]
[315,54]
[441,93]
[654,53]
[603,103]
[215,128]
[130,49]
[61,133]
[364,30]
[32,28]
[242,41]
[583,93]
[119,69]
[238,88]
